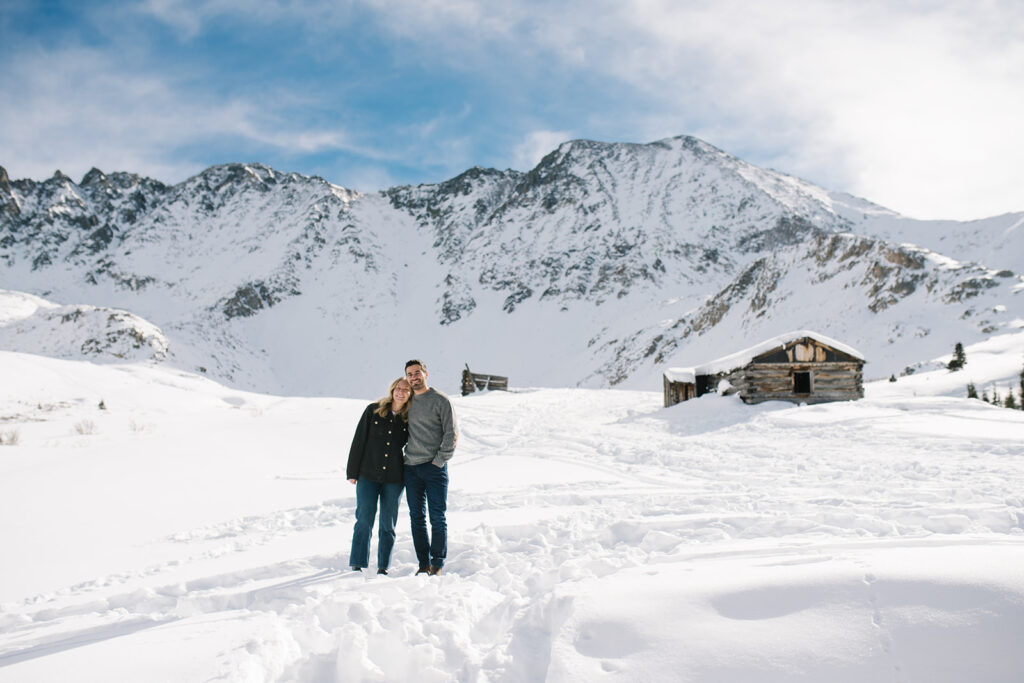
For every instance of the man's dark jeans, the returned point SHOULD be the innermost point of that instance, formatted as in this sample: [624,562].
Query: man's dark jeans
[426,486]
[367,494]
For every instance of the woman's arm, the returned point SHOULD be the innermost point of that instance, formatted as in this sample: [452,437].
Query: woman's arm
[355,452]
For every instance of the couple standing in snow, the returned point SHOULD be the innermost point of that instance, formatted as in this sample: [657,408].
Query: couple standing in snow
[421,420]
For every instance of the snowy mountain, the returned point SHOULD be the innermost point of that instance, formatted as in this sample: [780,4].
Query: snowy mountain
[599,267]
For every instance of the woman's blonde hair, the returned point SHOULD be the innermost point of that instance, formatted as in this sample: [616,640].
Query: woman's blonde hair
[384,404]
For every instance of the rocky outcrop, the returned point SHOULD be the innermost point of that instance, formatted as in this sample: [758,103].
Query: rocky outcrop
[631,256]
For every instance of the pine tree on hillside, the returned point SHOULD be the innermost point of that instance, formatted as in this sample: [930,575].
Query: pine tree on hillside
[1022,389]
[995,396]
[1011,401]
[972,391]
[959,358]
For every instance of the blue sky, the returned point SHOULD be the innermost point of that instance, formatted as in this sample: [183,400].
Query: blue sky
[913,105]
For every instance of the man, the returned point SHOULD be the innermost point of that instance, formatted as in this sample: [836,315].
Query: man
[432,435]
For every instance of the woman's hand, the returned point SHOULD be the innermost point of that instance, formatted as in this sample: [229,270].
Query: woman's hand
[351,481]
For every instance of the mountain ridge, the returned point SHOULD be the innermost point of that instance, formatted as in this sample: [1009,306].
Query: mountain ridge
[597,267]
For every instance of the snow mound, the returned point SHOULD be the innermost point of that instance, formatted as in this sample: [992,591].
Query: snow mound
[30,324]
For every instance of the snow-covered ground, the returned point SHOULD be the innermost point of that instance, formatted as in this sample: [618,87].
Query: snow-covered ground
[192,532]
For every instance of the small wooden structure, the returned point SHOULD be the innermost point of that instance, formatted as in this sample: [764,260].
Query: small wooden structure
[475,381]
[680,385]
[800,366]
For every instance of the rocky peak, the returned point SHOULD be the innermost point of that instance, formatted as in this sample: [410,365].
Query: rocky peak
[474,179]
[627,254]
[94,177]
[8,202]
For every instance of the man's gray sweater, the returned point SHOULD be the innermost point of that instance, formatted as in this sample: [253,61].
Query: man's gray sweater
[432,429]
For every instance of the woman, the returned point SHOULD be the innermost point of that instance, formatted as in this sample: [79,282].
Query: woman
[375,467]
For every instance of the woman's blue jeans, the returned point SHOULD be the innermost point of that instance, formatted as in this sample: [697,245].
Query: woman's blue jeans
[367,495]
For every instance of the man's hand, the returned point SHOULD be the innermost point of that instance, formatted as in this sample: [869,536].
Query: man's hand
[351,481]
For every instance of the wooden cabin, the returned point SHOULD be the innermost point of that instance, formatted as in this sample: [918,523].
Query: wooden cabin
[680,385]
[479,381]
[801,366]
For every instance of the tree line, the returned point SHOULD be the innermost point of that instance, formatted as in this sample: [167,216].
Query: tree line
[1011,400]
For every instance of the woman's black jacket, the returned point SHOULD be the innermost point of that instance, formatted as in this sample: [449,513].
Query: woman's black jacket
[376,452]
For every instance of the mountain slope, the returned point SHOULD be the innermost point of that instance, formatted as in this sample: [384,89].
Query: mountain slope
[30,324]
[599,267]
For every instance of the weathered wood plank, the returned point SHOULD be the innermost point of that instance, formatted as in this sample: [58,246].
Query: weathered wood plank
[477,381]
[831,375]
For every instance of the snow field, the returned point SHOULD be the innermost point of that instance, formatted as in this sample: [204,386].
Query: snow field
[593,535]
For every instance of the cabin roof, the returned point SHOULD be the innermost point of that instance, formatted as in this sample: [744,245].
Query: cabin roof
[684,375]
[741,358]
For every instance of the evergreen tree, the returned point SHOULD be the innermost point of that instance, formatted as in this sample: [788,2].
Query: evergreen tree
[995,396]
[984,395]
[1011,401]
[1022,389]
[959,358]
[972,392]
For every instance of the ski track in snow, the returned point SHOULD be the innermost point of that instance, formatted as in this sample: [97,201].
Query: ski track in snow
[553,491]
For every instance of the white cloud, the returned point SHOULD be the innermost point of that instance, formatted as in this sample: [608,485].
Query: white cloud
[368,178]
[78,108]
[188,17]
[183,16]
[535,146]
[911,105]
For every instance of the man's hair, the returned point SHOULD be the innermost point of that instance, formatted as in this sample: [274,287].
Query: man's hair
[415,362]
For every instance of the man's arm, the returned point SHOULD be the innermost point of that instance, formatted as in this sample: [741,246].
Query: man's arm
[449,433]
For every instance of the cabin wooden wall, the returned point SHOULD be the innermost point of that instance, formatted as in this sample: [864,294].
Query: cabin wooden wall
[834,376]
[759,382]
[476,381]
[806,350]
[676,392]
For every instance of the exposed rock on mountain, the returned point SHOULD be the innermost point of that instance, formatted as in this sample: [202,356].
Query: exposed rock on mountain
[599,266]
[30,324]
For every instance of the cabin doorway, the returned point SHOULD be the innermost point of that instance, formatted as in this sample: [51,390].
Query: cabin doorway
[801,382]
